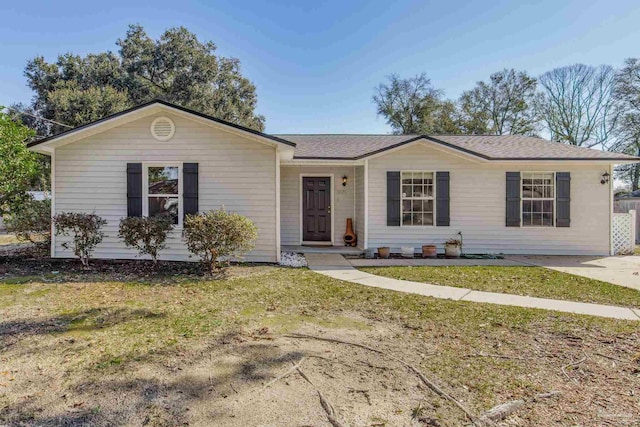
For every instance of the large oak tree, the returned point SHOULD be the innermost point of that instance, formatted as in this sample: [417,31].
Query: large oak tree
[177,67]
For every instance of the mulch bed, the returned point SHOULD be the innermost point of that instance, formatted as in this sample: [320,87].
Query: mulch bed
[30,261]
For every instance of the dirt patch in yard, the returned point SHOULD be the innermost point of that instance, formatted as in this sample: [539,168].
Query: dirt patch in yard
[206,352]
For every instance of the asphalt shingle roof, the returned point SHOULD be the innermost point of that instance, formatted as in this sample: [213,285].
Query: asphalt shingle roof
[492,147]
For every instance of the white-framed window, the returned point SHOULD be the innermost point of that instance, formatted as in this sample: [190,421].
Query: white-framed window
[162,186]
[538,199]
[418,191]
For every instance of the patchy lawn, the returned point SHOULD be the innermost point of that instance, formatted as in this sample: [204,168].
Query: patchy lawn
[99,348]
[8,239]
[529,281]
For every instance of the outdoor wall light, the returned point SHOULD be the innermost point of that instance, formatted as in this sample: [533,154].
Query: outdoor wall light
[605,178]
[344,181]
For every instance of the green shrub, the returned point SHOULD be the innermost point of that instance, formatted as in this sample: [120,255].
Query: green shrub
[85,229]
[146,234]
[32,222]
[219,234]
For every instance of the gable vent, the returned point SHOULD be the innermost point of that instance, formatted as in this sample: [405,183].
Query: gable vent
[162,128]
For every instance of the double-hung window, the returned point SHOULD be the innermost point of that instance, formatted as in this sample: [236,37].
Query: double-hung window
[538,199]
[418,190]
[163,188]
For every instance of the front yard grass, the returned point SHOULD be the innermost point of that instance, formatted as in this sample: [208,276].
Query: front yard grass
[528,281]
[99,349]
[8,239]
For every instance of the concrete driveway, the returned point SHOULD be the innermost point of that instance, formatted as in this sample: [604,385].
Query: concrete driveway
[619,270]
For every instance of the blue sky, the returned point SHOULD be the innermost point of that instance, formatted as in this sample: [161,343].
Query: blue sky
[315,63]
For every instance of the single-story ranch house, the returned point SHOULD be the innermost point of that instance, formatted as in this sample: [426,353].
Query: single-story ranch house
[506,194]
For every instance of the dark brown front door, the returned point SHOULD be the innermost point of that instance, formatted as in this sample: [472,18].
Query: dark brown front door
[316,209]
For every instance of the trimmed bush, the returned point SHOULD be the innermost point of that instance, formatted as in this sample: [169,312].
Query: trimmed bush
[146,234]
[32,222]
[219,234]
[85,229]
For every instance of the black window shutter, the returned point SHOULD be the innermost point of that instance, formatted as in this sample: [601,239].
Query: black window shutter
[513,199]
[190,188]
[442,199]
[563,199]
[393,199]
[134,189]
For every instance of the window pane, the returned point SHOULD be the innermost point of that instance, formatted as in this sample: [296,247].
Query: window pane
[429,190]
[547,219]
[428,205]
[406,178]
[163,180]
[406,218]
[406,191]
[417,219]
[526,220]
[164,206]
[536,219]
[417,206]
[427,218]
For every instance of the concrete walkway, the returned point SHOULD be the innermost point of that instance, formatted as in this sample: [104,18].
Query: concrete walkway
[337,267]
[619,270]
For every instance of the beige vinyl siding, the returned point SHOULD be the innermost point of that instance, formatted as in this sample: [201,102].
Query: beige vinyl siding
[343,198]
[359,201]
[477,192]
[234,172]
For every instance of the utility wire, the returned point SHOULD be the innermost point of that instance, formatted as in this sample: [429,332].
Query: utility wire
[39,118]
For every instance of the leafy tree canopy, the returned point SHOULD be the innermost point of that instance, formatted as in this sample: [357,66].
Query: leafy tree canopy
[503,105]
[413,106]
[18,166]
[177,67]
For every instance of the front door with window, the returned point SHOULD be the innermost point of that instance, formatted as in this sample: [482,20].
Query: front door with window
[316,209]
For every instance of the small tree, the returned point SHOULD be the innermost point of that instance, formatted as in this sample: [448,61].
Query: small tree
[18,166]
[32,222]
[219,234]
[86,232]
[146,234]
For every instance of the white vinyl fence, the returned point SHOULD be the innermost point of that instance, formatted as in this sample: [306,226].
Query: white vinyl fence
[624,232]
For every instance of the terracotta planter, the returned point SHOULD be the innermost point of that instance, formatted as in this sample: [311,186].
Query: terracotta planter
[452,251]
[384,252]
[429,251]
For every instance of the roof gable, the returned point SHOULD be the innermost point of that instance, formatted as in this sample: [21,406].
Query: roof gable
[144,110]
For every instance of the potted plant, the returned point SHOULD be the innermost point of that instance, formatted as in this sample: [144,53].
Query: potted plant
[453,248]
[384,252]
[429,251]
[407,251]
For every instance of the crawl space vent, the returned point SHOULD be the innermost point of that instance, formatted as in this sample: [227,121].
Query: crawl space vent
[163,128]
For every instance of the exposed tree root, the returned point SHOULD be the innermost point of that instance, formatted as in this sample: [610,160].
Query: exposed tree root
[430,384]
[328,408]
[564,368]
[502,411]
[284,374]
